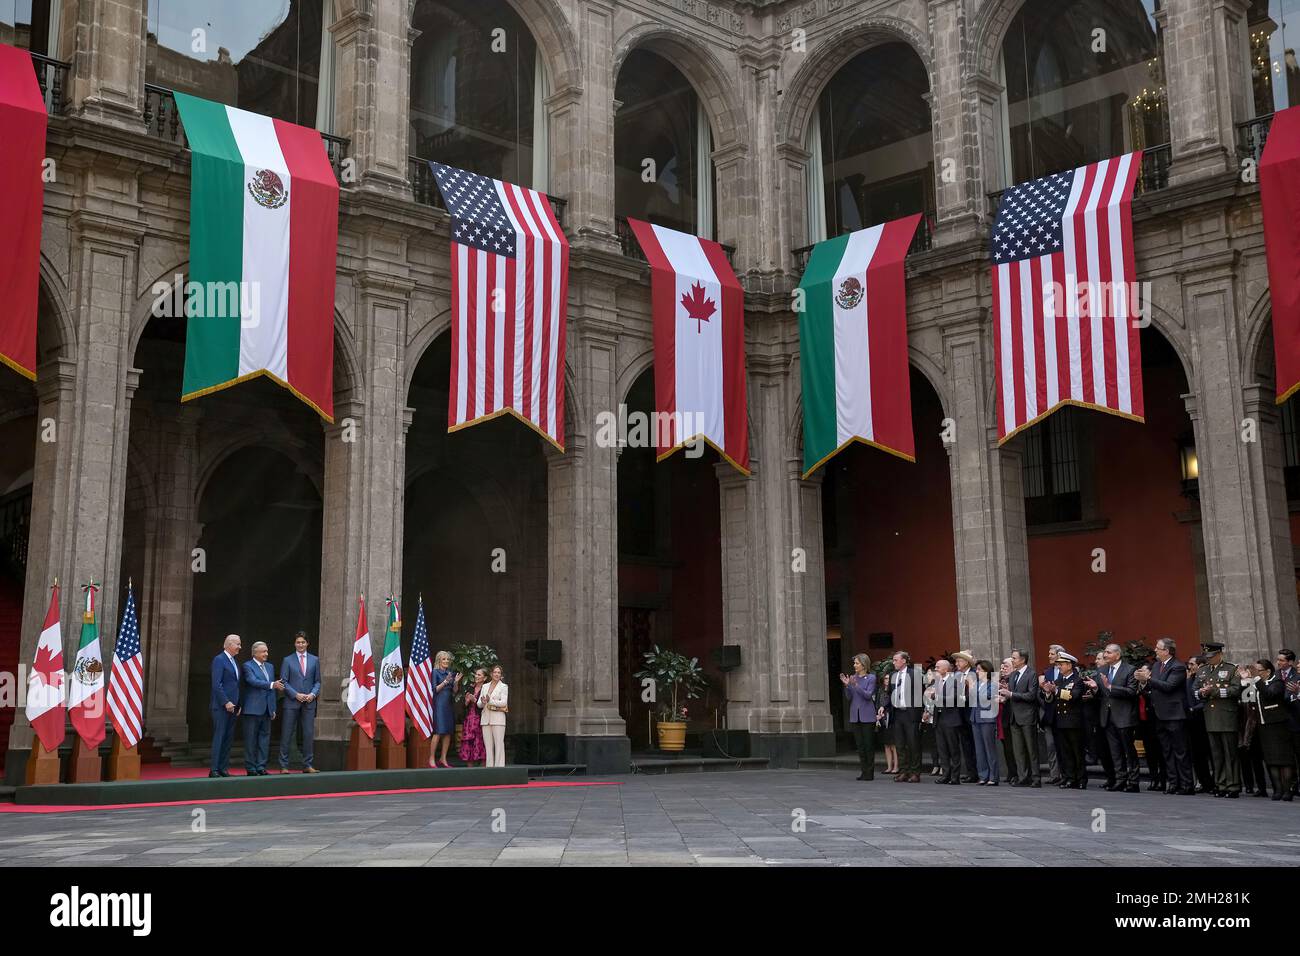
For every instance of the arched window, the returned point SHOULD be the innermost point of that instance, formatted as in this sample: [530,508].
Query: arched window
[476,90]
[1084,81]
[274,57]
[30,25]
[1274,27]
[872,156]
[663,147]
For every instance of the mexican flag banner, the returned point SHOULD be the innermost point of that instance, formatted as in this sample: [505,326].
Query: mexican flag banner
[45,689]
[361,680]
[86,688]
[853,344]
[264,218]
[392,680]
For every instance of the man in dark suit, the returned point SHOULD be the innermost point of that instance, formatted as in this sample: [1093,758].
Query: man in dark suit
[948,697]
[1165,685]
[225,705]
[1094,734]
[905,697]
[260,686]
[1022,692]
[1004,724]
[300,675]
[1117,694]
[964,664]
[1047,715]
[1290,677]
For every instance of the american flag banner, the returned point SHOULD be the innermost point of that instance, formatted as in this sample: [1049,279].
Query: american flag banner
[1064,295]
[509,288]
[126,679]
[419,679]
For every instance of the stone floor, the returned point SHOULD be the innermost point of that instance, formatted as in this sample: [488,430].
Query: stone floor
[755,818]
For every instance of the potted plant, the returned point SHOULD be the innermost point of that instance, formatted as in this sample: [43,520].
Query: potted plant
[675,679]
[465,660]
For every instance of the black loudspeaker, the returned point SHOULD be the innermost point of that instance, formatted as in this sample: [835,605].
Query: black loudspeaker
[727,657]
[543,654]
[538,748]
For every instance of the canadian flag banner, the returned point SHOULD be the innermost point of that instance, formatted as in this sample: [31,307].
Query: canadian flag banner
[699,328]
[45,688]
[361,678]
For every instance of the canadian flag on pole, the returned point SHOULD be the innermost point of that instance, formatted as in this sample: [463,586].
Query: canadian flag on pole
[698,309]
[392,682]
[361,680]
[45,709]
[86,693]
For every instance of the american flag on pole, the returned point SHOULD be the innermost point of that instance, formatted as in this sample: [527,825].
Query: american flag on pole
[419,679]
[1064,295]
[126,679]
[509,288]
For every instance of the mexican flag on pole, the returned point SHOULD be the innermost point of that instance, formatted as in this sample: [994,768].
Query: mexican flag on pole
[361,681]
[264,219]
[45,690]
[853,344]
[86,690]
[392,680]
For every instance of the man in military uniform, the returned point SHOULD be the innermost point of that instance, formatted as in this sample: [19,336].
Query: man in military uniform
[1064,697]
[1219,686]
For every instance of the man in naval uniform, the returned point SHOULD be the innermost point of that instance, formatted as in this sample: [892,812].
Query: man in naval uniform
[1219,686]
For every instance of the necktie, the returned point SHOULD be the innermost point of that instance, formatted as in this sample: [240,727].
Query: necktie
[302,662]
[1113,669]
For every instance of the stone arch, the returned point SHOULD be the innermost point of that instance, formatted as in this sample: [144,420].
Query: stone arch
[632,370]
[346,355]
[291,447]
[702,70]
[554,36]
[1258,324]
[986,33]
[799,102]
[55,294]
[440,324]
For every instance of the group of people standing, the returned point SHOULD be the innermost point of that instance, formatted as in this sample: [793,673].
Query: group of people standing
[253,692]
[1205,724]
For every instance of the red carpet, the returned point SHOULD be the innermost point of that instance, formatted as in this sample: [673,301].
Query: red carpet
[190,771]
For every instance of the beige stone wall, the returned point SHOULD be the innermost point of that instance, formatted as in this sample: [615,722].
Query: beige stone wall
[117,222]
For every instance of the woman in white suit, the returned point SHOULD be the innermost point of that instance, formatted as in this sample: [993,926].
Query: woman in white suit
[493,700]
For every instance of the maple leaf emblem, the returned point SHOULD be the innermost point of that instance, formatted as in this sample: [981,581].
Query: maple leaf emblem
[698,306]
[362,671]
[49,666]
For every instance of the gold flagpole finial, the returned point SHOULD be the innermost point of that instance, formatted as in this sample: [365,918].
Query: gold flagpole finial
[128,582]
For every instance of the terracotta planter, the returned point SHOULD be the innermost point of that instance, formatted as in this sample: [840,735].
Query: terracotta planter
[672,735]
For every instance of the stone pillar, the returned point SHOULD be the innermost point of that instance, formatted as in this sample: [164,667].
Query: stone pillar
[104,42]
[773,600]
[167,592]
[1265,460]
[80,476]
[364,500]
[1201,51]
[582,132]
[582,552]
[1251,610]
[955,126]
[373,89]
[757,228]
[988,507]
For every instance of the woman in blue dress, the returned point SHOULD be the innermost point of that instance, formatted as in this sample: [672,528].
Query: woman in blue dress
[445,685]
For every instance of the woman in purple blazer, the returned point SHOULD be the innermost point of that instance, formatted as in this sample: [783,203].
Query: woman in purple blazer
[860,689]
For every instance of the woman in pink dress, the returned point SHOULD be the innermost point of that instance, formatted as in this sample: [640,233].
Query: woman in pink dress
[471,731]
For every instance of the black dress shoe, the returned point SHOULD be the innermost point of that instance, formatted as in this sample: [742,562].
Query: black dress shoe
[1155,785]
[1037,784]
[213,773]
[1261,792]
[955,781]
[1063,785]
[1233,794]
[1132,788]
[1288,797]
[1173,792]
[1111,786]
[1013,783]
[224,773]
[1220,793]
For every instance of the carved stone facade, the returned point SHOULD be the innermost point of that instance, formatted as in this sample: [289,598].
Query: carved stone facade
[117,223]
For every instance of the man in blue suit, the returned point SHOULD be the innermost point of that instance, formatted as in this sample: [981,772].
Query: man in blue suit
[300,675]
[260,686]
[224,704]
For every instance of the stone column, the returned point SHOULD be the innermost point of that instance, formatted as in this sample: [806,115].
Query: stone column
[582,551]
[773,600]
[988,506]
[1201,51]
[955,126]
[756,227]
[364,500]
[1251,610]
[1265,462]
[582,132]
[167,592]
[104,40]
[373,89]
[80,476]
